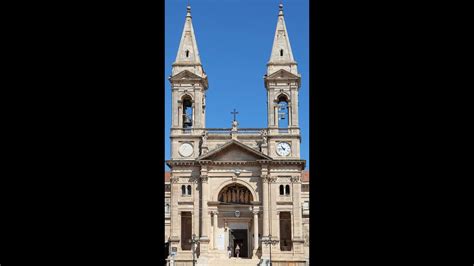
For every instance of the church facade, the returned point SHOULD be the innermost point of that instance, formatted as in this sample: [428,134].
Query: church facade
[236,195]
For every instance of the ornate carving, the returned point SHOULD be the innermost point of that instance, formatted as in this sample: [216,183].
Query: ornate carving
[265,178]
[235,194]
[174,179]
[264,136]
[272,179]
[194,179]
[295,179]
[204,137]
[204,178]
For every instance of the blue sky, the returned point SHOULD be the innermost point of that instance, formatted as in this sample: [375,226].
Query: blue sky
[235,39]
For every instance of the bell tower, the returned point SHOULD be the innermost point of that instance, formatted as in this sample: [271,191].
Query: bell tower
[282,82]
[188,84]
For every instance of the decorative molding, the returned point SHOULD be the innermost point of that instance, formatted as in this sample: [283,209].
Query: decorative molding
[174,179]
[295,179]
[194,179]
[272,179]
[204,178]
[181,162]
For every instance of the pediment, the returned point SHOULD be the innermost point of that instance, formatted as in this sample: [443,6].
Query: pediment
[185,74]
[283,74]
[234,151]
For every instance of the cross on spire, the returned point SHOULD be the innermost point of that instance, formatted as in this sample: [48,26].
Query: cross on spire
[234,113]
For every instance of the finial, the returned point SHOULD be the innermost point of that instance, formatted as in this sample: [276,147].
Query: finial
[188,12]
[281,8]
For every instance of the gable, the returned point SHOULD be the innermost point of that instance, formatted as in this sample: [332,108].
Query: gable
[234,151]
[234,154]
[283,74]
[185,74]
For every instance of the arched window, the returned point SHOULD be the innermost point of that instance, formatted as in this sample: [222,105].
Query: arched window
[281,52]
[187,112]
[189,189]
[287,190]
[281,190]
[187,53]
[283,119]
[183,190]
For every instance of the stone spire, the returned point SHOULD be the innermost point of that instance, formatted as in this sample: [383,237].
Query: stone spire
[188,53]
[282,55]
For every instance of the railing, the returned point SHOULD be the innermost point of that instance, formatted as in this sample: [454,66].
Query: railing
[227,131]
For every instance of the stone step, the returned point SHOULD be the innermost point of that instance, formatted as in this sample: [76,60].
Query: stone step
[234,262]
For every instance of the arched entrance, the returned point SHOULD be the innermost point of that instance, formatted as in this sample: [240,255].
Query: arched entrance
[236,226]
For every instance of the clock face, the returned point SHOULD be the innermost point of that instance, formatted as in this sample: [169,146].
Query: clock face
[186,149]
[283,149]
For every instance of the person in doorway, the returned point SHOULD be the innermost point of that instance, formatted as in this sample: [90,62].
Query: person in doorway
[229,252]
[237,250]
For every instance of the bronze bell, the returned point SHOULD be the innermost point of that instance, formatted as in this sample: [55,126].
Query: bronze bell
[187,120]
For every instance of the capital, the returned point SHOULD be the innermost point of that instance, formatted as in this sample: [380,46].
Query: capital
[295,179]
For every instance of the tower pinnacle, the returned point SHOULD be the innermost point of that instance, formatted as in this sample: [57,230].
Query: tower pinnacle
[282,55]
[188,54]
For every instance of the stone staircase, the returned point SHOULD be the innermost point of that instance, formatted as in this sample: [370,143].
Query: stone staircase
[233,261]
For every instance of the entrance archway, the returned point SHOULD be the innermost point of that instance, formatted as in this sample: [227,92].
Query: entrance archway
[233,218]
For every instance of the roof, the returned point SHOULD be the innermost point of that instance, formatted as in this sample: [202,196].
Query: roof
[305,176]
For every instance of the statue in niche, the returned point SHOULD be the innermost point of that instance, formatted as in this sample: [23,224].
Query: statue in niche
[229,195]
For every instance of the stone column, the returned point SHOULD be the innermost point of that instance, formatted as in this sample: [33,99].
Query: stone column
[205,217]
[265,205]
[255,232]
[214,237]
[266,220]
[180,115]
[294,110]
[276,114]
[195,195]
[297,218]
[175,219]
[205,213]
[197,109]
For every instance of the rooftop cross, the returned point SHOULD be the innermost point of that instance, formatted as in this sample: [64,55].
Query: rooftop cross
[234,113]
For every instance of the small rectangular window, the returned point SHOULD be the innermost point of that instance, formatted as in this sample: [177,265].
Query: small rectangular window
[305,188]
